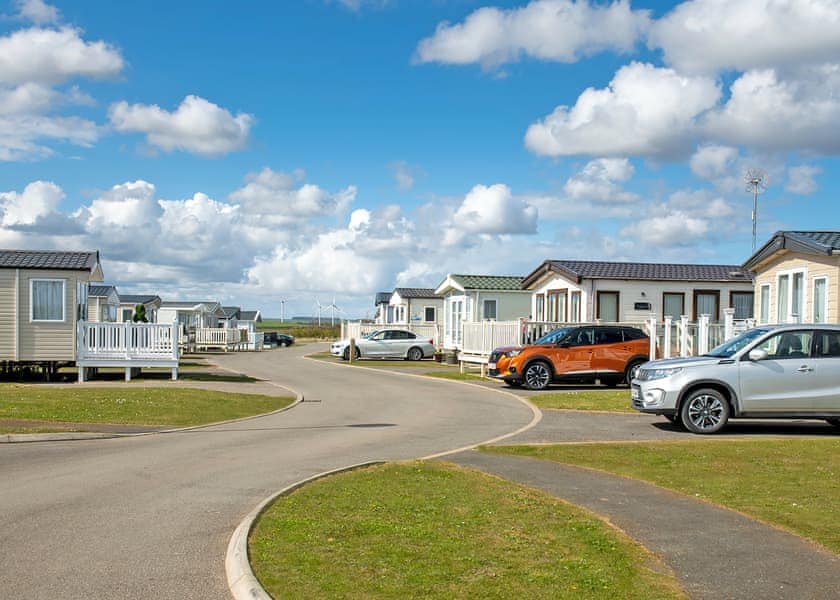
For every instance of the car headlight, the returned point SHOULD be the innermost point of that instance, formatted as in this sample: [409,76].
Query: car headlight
[651,374]
[512,353]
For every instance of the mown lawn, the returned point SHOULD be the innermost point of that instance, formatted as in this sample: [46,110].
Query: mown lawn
[170,406]
[792,483]
[433,530]
[608,400]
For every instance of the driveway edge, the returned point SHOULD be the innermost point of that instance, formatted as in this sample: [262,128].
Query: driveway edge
[242,582]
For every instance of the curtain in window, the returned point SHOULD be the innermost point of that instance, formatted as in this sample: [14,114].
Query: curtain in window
[764,317]
[489,309]
[707,305]
[561,307]
[674,306]
[819,300]
[797,298]
[47,300]
[743,305]
[540,312]
[782,312]
[574,307]
[608,307]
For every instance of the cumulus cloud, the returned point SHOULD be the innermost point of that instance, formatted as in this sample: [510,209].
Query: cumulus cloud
[598,182]
[53,56]
[39,199]
[768,112]
[273,196]
[495,210]
[706,36]
[557,30]
[713,161]
[196,126]
[37,11]
[645,111]
[130,204]
[404,174]
[686,219]
[801,180]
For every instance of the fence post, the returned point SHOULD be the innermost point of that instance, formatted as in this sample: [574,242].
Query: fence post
[683,335]
[127,343]
[728,323]
[651,323]
[666,338]
[703,335]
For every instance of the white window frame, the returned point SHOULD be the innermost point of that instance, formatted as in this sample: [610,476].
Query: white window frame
[63,282]
[790,273]
[814,299]
[434,308]
[494,301]
[762,318]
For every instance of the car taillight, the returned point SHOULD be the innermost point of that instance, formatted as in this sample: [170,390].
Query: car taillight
[432,342]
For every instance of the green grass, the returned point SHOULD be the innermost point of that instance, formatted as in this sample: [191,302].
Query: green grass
[433,530]
[609,400]
[792,483]
[135,406]
[455,374]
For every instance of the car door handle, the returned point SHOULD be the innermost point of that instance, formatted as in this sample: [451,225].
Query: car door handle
[804,369]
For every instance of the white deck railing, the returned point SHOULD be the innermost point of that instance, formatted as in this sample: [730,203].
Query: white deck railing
[255,340]
[127,341]
[217,337]
[481,337]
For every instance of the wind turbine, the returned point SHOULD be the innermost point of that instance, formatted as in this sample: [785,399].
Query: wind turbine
[319,306]
[334,308]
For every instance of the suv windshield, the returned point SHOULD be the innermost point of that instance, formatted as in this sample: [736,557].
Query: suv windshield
[552,337]
[727,349]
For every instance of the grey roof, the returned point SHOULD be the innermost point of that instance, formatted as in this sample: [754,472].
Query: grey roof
[578,270]
[826,243]
[417,293]
[489,282]
[382,298]
[231,311]
[138,299]
[48,259]
[250,315]
[101,291]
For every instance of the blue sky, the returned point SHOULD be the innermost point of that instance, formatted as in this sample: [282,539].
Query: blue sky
[305,150]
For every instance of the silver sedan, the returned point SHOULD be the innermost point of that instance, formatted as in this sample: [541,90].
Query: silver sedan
[387,343]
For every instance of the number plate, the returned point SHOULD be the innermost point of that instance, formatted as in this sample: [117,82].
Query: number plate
[491,365]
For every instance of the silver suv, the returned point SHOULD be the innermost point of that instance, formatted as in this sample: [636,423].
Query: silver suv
[772,371]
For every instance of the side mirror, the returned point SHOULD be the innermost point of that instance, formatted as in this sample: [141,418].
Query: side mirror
[757,354]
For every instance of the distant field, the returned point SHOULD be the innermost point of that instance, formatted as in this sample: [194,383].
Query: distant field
[301,330]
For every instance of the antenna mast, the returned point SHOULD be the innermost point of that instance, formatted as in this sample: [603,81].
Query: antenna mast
[756,181]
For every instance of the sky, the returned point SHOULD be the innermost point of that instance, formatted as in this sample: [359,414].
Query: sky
[320,151]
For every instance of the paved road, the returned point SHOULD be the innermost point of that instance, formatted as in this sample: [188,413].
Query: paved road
[150,517]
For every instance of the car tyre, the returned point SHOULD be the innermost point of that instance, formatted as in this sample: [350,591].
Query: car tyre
[632,369]
[346,355]
[414,353]
[537,375]
[704,411]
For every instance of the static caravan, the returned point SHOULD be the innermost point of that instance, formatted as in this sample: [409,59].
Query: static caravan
[43,294]
[103,304]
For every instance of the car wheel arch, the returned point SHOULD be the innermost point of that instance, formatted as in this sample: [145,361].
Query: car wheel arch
[539,358]
[724,388]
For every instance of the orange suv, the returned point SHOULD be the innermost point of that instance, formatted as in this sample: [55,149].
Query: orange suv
[611,353]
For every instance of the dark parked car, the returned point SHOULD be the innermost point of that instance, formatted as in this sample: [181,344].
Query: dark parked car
[272,338]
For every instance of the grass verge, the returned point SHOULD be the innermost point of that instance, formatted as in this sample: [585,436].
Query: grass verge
[455,374]
[434,530]
[609,400]
[130,406]
[791,483]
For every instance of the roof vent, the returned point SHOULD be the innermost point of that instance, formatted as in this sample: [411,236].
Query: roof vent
[737,275]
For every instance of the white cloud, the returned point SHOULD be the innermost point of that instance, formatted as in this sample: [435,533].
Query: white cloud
[19,135]
[403,174]
[495,210]
[131,204]
[706,36]
[801,180]
[197,126]
[37,11]
[39,199]
[674,229]
[646,111]
[272,196]
[558,30]
[713,161]
[52,56]
[771,113]
[597,182]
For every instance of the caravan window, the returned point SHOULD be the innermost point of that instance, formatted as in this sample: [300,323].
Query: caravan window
[47,299]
